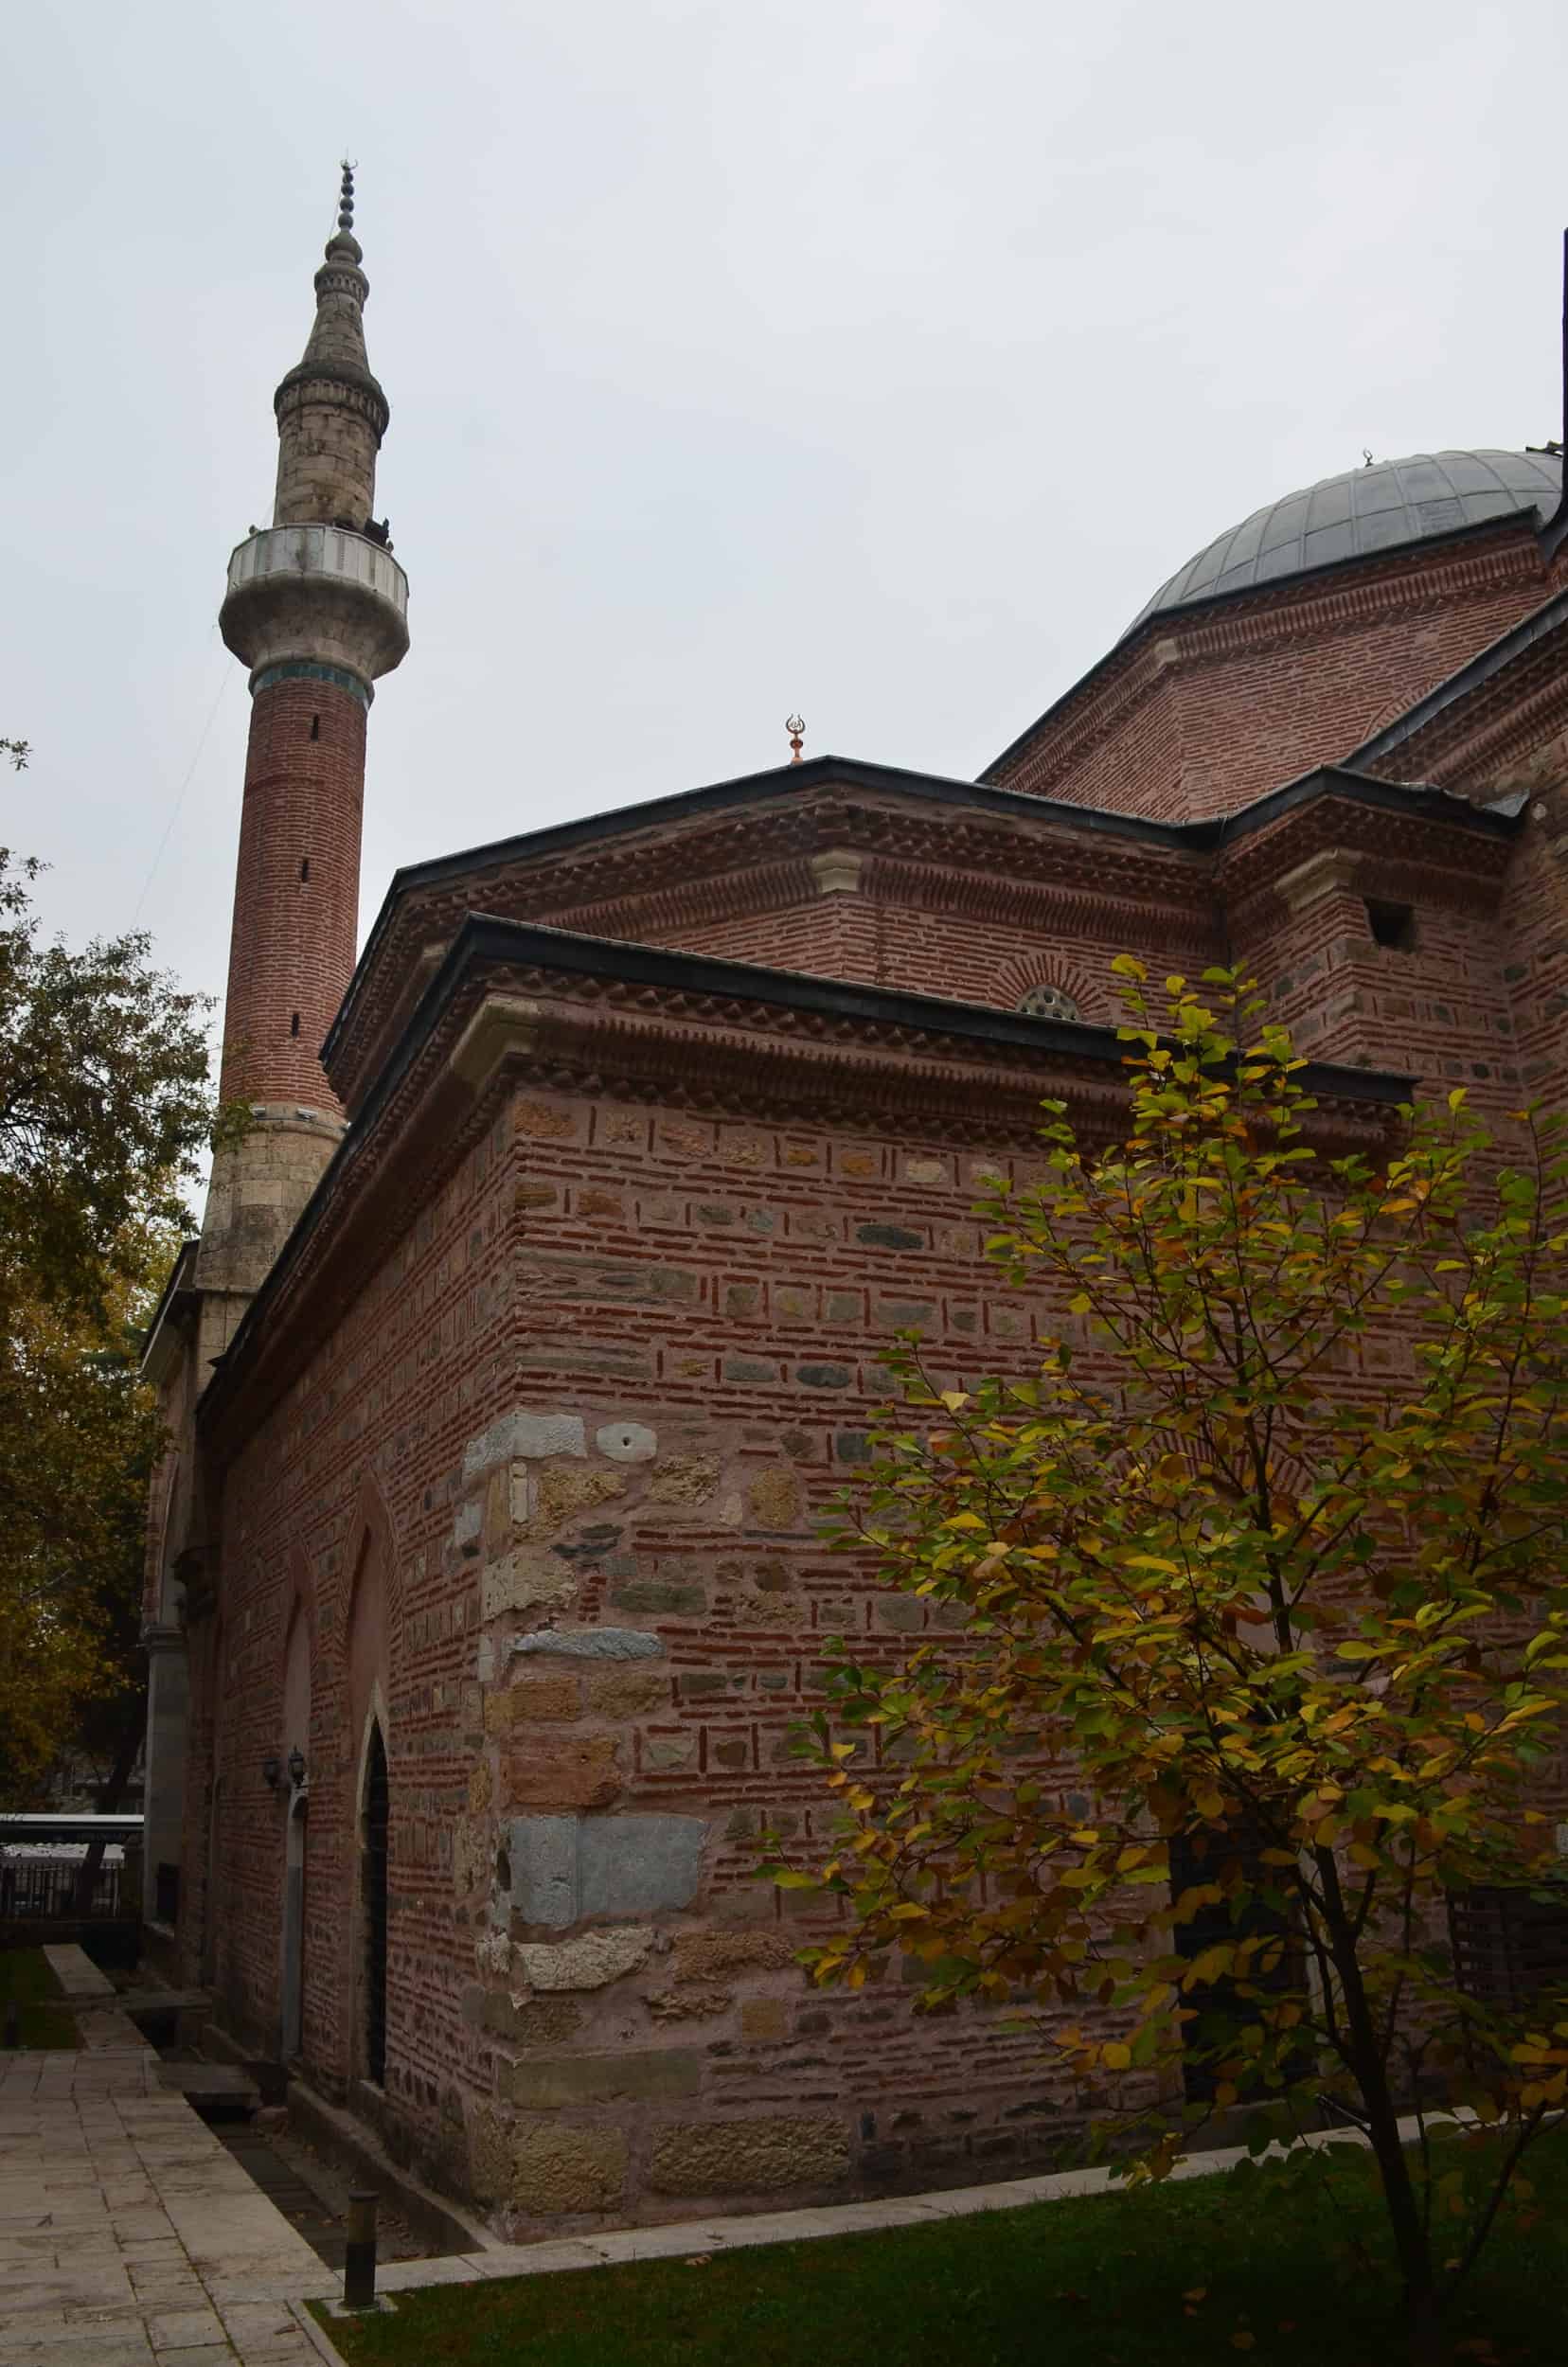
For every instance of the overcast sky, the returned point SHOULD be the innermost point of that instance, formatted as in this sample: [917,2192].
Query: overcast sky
[873,357]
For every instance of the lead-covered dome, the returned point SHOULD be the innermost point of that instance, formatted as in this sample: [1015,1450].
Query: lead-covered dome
[1367,510]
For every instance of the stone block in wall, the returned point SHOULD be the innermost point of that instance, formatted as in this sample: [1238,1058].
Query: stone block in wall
[489,2155]
[775,1499]
[543,1121]
[561,2169]
[719,1955]
[530,2021]
[683,1480]
[559,1492]
[596,1644]
[674,1598]
[565,1867]
[667,1752]
[626,1692]
[523,1434]
[547,1696]
[592,1961]
[626,1442]
[528,1578]
[696,2004]
[760,2156]
[567,1770]
[546,2083]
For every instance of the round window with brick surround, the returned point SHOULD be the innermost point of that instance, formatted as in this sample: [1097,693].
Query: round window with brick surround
[1047,1003]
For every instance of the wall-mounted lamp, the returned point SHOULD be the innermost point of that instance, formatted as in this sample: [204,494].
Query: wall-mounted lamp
[296,1768]
[272,1767]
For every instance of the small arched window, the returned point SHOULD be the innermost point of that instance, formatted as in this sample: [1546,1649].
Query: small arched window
[1047,1003]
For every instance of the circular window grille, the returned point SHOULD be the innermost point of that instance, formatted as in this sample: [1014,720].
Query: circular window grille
[1048,1002]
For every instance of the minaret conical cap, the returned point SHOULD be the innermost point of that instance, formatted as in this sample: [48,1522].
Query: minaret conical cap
[332,413]
[337,333]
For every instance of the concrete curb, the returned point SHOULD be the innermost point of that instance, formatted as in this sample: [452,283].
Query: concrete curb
[678,2239]
[316,2335]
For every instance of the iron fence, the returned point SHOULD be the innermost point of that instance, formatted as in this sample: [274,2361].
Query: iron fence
[40,1889]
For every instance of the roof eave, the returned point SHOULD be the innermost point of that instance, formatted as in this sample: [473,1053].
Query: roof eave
[1189,838]
[487,942]
[1185,611]
[161,1341]
[1487,664]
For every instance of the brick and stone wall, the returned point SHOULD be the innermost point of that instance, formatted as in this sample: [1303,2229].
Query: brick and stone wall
[590,1412]
[1204,712]
[329,1499]
[579,1423]
[542,1476]
[524,1454]
[296,889]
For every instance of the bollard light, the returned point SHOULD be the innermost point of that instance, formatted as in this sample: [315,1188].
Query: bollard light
[359,2254]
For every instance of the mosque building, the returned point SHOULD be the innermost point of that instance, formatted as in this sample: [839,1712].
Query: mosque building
[538,1316]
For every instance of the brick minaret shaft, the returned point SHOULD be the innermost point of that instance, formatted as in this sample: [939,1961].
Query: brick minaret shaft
[316,607]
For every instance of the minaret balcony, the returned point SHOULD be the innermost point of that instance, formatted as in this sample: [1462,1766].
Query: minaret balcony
[321,593]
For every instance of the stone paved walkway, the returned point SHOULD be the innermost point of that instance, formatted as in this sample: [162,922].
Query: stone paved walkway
[127,2234]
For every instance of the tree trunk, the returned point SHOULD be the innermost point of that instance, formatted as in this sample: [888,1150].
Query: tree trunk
[1428,2347]
[1369,2068]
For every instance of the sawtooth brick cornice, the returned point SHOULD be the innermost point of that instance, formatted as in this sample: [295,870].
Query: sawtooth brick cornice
[1297,614]
[1044,871]
[1102,908]
[690,874]
[1452,863]
[629,1023]
[1473,745]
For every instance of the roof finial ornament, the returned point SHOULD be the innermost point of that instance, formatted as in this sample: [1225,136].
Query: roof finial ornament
[795,725]
[345,198]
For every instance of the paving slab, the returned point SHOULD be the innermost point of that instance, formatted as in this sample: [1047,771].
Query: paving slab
[129,2237]
[76,1972]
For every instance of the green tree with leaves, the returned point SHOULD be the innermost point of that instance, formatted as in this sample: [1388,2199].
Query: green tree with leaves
[1266,1647]
[104,1110]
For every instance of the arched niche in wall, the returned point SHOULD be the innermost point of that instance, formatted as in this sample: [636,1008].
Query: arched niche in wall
[1047,984]
[371,1652]
[299,1656]
[1048,1002]
[213,1679]
[367,1626]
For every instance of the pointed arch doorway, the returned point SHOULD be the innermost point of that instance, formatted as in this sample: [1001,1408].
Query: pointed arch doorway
[373,1905]
[300,1745]
[293,1929]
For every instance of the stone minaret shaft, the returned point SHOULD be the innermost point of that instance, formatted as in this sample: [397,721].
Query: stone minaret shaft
[316,607]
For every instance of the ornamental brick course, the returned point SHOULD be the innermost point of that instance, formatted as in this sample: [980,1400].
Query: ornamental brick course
[557,1322]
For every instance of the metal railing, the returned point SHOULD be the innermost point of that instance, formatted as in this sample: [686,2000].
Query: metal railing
[43,1889]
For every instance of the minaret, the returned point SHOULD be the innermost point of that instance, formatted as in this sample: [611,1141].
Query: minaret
[316,606]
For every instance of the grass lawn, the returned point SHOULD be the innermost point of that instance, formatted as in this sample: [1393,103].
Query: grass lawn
[25,1974]
[1217,2269]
